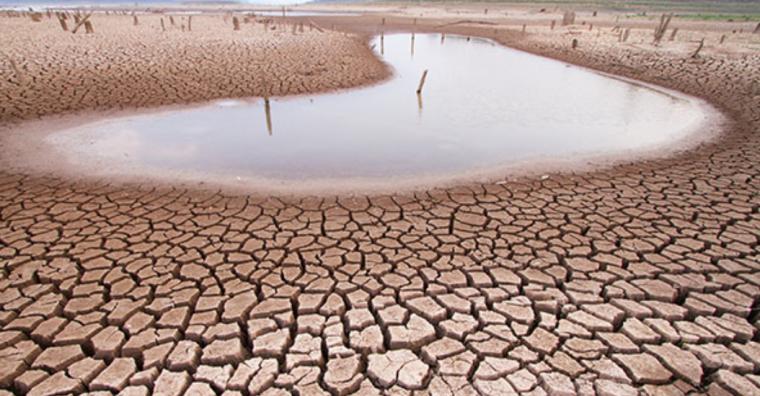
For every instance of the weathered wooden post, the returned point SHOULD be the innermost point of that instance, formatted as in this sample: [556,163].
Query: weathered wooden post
[660,30]
[699,48]
[268,113]
[568,18]
[235,23]
[62,21]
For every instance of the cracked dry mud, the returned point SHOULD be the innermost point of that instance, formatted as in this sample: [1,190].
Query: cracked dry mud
[639,279]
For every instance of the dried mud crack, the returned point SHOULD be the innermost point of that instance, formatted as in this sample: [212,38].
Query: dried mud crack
[638,279]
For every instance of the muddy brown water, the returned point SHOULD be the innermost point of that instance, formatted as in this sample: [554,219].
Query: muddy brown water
[483,107]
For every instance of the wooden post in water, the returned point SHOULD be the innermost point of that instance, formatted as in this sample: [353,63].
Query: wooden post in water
[722,38]
[443,37]
[575,43]
[553,23]
[268,113]
[163,27]
[190,23]
[235,23]
[382,43]
[412,44]
[88,27]
[422,82]
[134,20]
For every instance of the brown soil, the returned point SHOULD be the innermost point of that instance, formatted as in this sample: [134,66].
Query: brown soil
[126,66]
[643,277]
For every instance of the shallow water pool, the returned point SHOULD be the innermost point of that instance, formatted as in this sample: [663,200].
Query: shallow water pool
[483,106]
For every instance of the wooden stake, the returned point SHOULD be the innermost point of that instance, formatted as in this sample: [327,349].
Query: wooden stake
[568,18]
[696,53]
[62,21]
[80,23]
[673,34]
[268,112]
[575,43]
[422,82]
[189,23]
[16,70]
[660,30]
[163,27]
[134,20]
[235,23]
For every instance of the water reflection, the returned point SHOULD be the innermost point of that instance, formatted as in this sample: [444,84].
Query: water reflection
[486,106]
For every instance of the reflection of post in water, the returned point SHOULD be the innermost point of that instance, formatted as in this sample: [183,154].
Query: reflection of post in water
[268,112]
[419,90]
[412,44]
[422,82]
[382,43]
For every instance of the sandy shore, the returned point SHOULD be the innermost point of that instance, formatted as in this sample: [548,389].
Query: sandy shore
[642,278]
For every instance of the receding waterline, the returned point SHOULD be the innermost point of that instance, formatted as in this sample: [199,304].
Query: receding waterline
[483,106]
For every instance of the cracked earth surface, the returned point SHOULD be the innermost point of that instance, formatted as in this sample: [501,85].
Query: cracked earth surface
[639,279]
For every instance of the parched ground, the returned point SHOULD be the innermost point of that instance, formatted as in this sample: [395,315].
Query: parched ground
[639,279]
[48,71]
